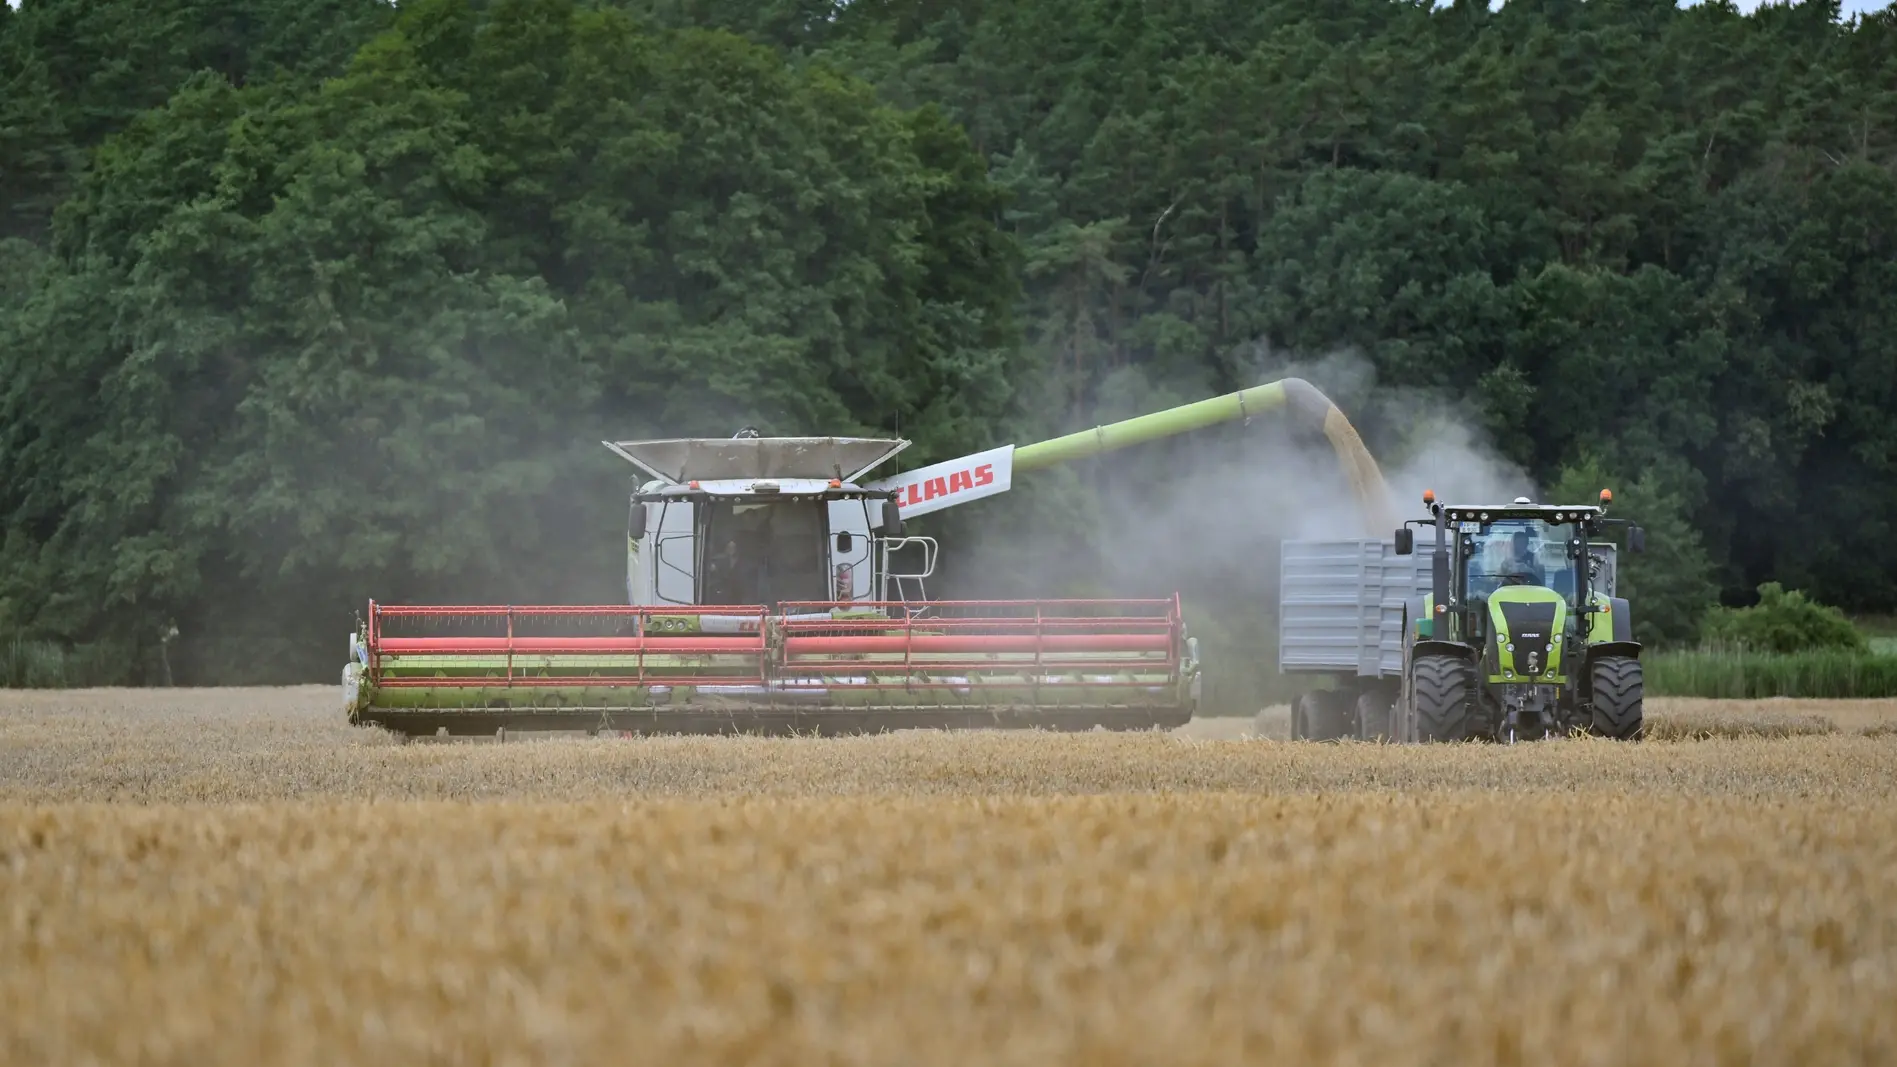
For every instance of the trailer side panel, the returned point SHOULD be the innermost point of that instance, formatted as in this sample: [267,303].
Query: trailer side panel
[1340,606]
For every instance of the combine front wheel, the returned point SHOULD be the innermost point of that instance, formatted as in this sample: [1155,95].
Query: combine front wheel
[1443,689]
[1619,688]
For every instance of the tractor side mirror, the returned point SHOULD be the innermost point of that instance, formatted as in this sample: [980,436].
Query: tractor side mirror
[1636,539]
[892,518]
[845,542]
[1405,541]
[636,521]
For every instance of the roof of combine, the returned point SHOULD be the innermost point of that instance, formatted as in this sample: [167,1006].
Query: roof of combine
[682,459]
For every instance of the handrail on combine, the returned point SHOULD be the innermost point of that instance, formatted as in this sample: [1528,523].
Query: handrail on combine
[1060,636]
[531,659]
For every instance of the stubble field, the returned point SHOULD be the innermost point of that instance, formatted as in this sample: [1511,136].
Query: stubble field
[237,877]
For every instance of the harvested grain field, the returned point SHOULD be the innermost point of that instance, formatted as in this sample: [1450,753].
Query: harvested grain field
[236,877]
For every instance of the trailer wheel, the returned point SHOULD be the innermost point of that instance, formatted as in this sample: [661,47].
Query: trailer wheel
[1374,707]
[1321,715]
[1443,689]
[1619,687]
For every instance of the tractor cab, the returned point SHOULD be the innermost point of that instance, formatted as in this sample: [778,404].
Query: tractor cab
[1603,567]
[1522,550]
[1488,551]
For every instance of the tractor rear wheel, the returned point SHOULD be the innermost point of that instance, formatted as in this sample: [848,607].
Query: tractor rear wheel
[1618,688]
[1320,715]
[1443,689]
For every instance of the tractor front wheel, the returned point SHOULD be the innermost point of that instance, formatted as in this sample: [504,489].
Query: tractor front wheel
[1618,688]
[1443,691]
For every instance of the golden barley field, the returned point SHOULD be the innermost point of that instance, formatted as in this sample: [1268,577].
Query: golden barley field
[236,877]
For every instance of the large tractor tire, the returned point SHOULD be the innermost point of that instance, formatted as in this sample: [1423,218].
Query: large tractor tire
[1443,689]
[1321,715]
[1374,706]
[1618,690]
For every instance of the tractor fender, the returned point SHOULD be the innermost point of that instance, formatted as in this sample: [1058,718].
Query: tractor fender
[1442,648]
[1630,649]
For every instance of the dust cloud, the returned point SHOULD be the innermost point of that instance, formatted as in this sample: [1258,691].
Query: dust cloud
[1208,510]
[1421,438]
[1204,515]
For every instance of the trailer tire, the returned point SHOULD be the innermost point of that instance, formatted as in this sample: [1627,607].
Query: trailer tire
[1321,715]
[1618,689]
[1374,708]
[1443,690]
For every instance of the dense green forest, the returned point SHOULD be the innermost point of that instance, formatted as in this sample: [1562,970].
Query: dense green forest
[308,301]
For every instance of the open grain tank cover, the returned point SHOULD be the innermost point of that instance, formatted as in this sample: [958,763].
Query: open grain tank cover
[683,459]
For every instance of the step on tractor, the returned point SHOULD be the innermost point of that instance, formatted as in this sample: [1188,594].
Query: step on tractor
[770,589]
[1508,630]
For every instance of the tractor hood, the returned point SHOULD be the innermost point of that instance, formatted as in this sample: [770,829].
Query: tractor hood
[1527,624]
[684,459]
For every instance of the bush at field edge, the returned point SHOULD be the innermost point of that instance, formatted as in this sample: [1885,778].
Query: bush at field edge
[1783,622]
[1737,674]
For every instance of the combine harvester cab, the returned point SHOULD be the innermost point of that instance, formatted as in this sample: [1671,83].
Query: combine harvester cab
[764,597]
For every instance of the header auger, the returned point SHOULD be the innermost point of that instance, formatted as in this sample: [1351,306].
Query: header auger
[767,591]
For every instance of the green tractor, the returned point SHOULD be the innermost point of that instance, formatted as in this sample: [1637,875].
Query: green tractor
[1517,639]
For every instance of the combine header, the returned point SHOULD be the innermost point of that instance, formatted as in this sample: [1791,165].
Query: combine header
[767,593]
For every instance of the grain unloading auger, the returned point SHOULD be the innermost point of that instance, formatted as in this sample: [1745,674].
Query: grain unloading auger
[767,593]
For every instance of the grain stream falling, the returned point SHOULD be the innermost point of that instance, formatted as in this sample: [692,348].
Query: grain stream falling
[234,877]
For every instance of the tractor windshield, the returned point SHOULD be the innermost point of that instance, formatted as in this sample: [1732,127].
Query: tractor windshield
[1519,552]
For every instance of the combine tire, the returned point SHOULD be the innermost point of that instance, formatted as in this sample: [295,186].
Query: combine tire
[1320,715]
[352,689]
[1444,690]
[1618,688]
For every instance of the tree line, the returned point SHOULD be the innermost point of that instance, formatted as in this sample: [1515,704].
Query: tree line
[302,303]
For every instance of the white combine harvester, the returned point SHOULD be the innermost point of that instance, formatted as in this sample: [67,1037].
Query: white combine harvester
[766,594]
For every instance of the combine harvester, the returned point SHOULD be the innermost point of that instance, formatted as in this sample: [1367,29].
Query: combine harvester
[765,595]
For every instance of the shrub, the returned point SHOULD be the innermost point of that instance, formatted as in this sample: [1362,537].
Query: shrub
[26,663]
[1783,621]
